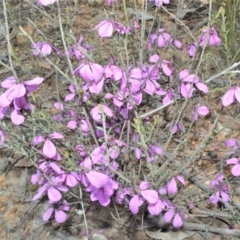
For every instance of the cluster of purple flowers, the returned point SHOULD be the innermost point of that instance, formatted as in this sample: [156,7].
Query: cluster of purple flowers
[122,90]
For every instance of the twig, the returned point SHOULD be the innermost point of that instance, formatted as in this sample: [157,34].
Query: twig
[155,110]
[223,72]
[199,227]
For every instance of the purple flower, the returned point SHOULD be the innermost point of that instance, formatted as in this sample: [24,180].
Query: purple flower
[59,212]
[109,2]
[176,215]
[70,179]
[52,189]
[113,72]
[117,98]
[172,184]
[162,38]
[49,148]
[105,28]
[46,2]
[174,128]
[231,96]
[232,143]
[78,50]
[71,95]
[210,35]
[103,194]
[122,29]
[220,188]
[236,168]
[201,110]
[98,110]
[190,79]
[177,43]
[90,72]
[143,193]
[159,3]
[192,49]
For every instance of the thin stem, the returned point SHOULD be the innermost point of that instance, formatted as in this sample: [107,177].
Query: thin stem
[82,205]
[8,40]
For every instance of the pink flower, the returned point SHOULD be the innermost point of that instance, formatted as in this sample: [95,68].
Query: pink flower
[192,49]
[220,188]
[113,72]
[70,179]
[210,35]
[177,43]
[109,2]
[71,95]
[176,215]
[122,29]
[59,212]
[231,96]
[104,193]
[232,143]
[174,128]
[49,148]
[190,79]
[52,189]
[105,28]
[98,110]
[201,110]
[46,2]
[42,49]
[167,67]
[90,72]
[236,168]
[159,3]
[162,38]
[172,184]
[151,196]
[135,79]
[117,98]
